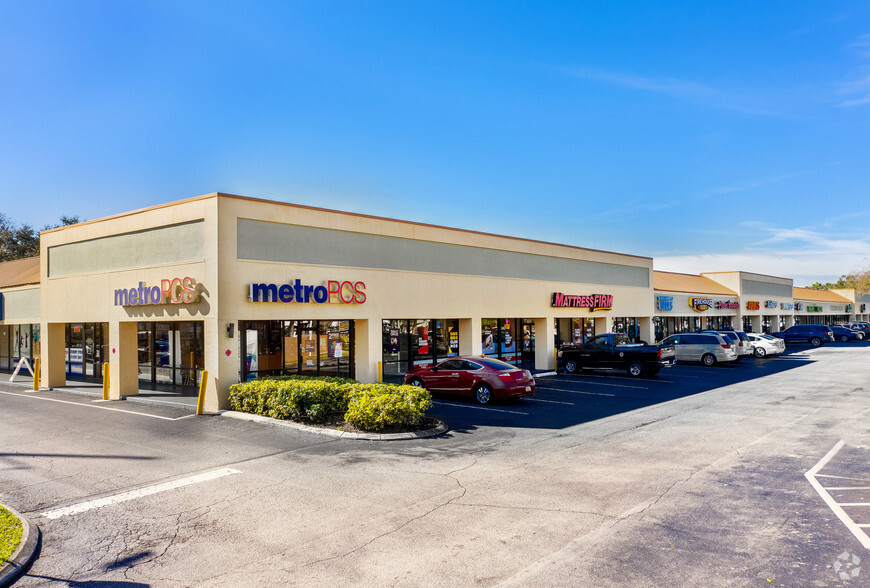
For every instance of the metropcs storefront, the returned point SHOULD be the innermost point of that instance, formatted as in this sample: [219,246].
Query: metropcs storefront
[239,288]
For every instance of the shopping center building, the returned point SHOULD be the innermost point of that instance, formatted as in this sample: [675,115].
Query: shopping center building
[240,287]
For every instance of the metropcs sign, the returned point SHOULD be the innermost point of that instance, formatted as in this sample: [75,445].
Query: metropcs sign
[333,292]
[171,291]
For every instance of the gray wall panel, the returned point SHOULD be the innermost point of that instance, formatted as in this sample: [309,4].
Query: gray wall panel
[265,241]
[21,304]
[753,287]
[168,244]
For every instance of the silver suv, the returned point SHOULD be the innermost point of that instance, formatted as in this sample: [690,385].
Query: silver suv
[707,348]
[739,339]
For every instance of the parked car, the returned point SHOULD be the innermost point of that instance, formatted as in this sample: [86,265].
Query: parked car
[844,334]
[860,327]
[707,348]
[815,335]
[481,377]
[739,339]
[764,344]
[615,351]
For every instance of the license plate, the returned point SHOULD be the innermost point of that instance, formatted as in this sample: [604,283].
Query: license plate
[528,388]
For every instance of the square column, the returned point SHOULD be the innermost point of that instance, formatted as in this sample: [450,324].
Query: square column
[647,329]
[602,325]
[123,360]
[789,320]
[756,324]
[545,358]
[53,360]
[223,369]
[368,341]
[470,341]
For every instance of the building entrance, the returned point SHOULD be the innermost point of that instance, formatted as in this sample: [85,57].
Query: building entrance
[87,348]
[171,354]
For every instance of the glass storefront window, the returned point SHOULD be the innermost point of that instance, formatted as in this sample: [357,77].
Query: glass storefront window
[417,341]
[310,348]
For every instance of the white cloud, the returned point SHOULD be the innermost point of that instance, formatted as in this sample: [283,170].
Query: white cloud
[802,254]
[858,90]
[685,90]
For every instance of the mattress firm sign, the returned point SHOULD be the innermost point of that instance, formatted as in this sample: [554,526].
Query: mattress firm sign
[331,291]
[171,291]
[592,301]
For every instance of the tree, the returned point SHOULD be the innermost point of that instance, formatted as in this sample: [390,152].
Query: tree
[859,279]
[19,241]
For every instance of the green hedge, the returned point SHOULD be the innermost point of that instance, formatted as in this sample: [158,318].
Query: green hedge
[370,407]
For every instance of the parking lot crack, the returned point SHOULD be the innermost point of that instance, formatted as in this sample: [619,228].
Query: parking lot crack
[462,491]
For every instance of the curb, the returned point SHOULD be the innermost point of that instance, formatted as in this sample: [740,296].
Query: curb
[24,554]
[256,418]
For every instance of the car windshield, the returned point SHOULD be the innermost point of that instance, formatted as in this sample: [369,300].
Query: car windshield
[496,364]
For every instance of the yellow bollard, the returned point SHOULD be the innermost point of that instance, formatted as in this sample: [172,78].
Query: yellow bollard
[36,375]
[555,360]
[380,372]
[200,402]
[105,381]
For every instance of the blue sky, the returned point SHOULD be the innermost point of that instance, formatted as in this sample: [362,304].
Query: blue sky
[710,136]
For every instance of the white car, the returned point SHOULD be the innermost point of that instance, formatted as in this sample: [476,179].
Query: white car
[766,344]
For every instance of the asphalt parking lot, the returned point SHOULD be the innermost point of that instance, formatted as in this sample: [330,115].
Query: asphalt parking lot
[566,400]
[700,476]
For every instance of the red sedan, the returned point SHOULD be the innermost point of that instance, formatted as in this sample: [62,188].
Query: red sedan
[481,377]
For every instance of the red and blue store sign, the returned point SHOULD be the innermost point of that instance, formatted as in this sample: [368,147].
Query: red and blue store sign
[331,292]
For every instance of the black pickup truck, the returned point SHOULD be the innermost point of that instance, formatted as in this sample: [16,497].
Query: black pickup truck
[615,351]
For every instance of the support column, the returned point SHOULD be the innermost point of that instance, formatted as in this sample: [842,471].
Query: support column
[566,328]
[756,324]
[602,325]
[123,360]
[368,339]
[545,332]
[647,330]
[223,370]
[53,351]
[789,320]
[470,341]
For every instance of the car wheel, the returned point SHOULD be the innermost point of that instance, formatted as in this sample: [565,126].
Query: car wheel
[815,342]
[760,352]
[708,359]
[482,394]
[635,369]
[844,338]
[416,382]
[571,366]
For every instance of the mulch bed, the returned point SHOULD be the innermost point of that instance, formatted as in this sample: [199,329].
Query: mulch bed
[336,421]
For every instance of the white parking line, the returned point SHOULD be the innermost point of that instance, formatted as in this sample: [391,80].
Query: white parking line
[575,391]
[651,380]
[812,474]
[139,493]
[613,385]
[547,401]
[145,414]
[480,407]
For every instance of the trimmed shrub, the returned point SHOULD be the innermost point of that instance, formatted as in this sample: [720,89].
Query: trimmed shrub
[298,399]
[373,407]
[370,407]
